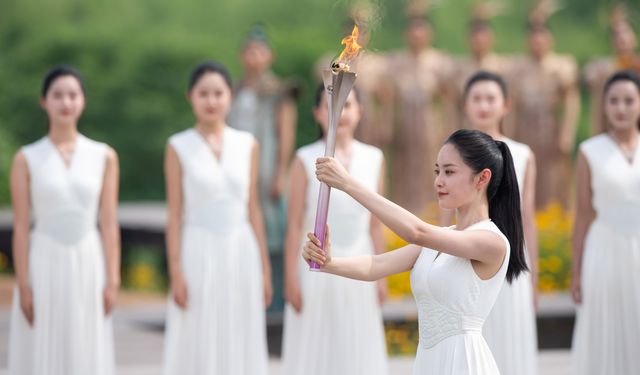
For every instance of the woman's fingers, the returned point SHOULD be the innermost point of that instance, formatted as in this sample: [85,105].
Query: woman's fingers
[313,239]
[312,253]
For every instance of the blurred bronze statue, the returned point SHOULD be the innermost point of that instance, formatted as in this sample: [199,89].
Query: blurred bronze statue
[418,78]
[480,39]
[597,71]
[546,106]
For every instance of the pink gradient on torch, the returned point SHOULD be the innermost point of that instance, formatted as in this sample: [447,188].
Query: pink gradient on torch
[337,87]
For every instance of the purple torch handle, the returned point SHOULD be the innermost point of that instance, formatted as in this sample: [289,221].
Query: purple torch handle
[321,219]
[322,211]
[338,86]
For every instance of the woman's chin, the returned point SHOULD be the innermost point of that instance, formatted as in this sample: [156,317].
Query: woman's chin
[444,205]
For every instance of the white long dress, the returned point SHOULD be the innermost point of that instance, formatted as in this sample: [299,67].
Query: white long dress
[222,330]
[70,335]
[606,337]
[453,303]
[510,328]
[340,328]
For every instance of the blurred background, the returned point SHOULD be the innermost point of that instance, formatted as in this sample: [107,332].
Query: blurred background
[136,57]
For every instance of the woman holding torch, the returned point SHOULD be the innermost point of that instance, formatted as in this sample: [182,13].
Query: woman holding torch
[328,317]
[456,273]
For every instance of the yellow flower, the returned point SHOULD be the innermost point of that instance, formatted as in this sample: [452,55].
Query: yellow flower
[142,276]
[554,241]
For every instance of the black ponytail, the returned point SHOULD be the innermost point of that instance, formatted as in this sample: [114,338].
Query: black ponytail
[480,151]
[504,211]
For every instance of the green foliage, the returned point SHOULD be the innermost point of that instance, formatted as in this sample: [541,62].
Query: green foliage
[136,57]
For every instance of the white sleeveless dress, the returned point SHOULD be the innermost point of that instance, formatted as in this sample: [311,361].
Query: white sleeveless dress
[510,328]
[340,329]
[453,303]
[606,337]
[70,335]
[223,329]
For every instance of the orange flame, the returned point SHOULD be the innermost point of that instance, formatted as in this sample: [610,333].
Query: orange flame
[352,48]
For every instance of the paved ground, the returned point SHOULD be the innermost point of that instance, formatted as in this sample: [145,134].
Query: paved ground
[138,333]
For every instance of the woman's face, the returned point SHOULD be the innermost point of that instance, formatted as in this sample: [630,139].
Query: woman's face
[64,101]
[485,106]
[210,98]
[349,119]
[622,105]
[456,183]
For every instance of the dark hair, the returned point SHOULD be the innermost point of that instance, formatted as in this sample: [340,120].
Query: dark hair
[478,25]
[419,21]
[480,151]
[622,75]
[57,72]
[209,67]
[318,99]
[534,27]
[483,75]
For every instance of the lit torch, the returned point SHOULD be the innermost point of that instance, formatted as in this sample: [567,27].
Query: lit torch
[338,82]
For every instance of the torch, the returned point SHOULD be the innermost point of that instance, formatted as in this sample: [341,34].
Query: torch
[338,82]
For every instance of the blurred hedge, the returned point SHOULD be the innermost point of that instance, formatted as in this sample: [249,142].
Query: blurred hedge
[136,57]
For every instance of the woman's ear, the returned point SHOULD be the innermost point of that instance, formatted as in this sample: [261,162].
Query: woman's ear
[507,107]
[483,178]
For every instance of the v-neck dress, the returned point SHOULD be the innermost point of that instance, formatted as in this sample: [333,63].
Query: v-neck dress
[222,330]
[341,319]
[70,334]
[606,337]
[453,303]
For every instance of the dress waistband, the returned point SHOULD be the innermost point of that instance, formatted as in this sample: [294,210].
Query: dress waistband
[68,227]
[436,323]
[219,217]
[623,218]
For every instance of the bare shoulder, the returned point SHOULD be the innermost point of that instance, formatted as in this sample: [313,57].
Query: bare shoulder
[112,155]
[20,159]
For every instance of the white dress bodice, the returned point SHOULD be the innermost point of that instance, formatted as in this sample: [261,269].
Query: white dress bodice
[615,184]
[452,300]
[215,191]
[65,199]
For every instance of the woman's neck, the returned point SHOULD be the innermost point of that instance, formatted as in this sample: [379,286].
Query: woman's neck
[471,214]
[252,78]
[344,142]
[59,133]
[493,131]
[625,136]
[211,128]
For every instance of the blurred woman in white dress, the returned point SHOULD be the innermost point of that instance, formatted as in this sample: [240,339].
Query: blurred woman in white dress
[510,328]
[216,249]
[456,273]
[606,242]
[68,264]
[330,317]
